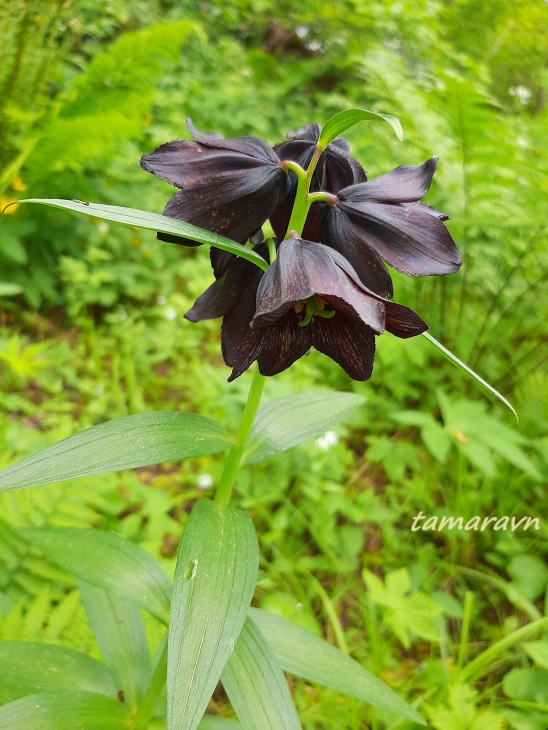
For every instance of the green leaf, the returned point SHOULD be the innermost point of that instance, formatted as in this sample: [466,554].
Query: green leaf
[469,372]
[29,667]
[109,561]
[528,684]
[344,120]
[218,723]
[124,443]
[7,289]
[120,632]
[303,654]
[286,422]
[64,710]
[538,651]
[154,222]
[215,576]
[256,686]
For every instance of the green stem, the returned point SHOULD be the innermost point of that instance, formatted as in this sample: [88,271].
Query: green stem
[234,458]
[303,199]
[465,629]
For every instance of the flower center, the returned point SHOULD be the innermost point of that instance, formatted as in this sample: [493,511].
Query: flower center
[315,307]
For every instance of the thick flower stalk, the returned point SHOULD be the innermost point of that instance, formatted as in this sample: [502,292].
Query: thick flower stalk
[328,286]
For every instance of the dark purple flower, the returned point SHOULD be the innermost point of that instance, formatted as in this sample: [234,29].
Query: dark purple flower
[336,169]
[383,218]
[312,297]
[228,186]
[231,296]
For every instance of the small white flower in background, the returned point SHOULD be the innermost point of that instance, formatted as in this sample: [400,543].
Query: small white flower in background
[205,481]
[170,313]
[328,440]
[161,300]
[103,227]
[522,93]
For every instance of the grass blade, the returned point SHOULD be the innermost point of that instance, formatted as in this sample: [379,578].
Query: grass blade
[469,372]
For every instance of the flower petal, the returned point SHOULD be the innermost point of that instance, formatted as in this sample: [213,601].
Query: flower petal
[403,322]
[275,347]
[348,342]
[407,237]
[237,219]
[231,296]
[402,185]
[344,238]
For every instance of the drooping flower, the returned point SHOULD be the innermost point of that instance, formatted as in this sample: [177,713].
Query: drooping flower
[232,296]
[384,218]
[312,297]
[228,186]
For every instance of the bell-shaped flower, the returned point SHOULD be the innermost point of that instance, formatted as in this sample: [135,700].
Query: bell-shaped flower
[312,297]
[227,186]
[383,218]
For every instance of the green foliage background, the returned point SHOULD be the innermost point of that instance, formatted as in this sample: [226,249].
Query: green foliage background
[92,326]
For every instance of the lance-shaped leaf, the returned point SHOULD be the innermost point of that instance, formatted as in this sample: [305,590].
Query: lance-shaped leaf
[217,566]
[153,221]
[124,443]
[64,710]
[109,561]
[120,632]
[303,654]
[469,372]
[344,120]
[289,421]
[28,667]
[256,686]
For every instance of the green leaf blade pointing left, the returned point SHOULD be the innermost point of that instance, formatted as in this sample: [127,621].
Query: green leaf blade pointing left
[124,443]
[215,577]
[65,710]
[344,120]
[153,222]
[109,561]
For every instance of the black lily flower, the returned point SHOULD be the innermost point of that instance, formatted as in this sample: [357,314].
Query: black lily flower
[228,186]
[231,296]
[336,169]
[312,297]
[383,218]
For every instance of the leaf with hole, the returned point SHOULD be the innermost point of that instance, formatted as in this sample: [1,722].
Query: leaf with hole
[215,576]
